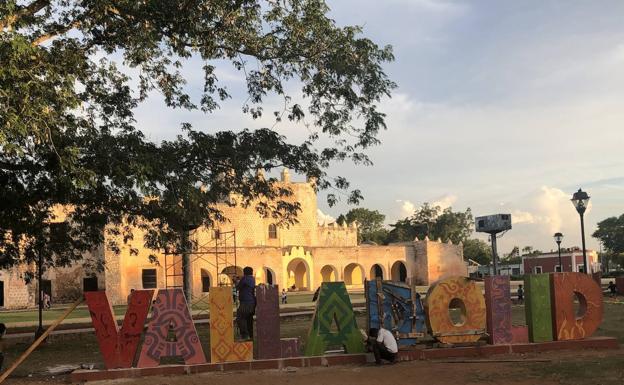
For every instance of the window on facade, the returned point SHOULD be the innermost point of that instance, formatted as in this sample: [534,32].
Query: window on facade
[216,234]
[558,269]
[149,279]
[581,268]
[538,270]
[272,231]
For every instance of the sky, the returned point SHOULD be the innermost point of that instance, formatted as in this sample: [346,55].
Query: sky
[501,106]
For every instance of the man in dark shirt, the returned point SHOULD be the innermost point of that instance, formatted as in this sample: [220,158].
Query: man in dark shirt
[247,303]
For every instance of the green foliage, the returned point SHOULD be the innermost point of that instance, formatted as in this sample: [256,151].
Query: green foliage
[477,250]
[433,222]
[611,233]
[370,224]
[68,134]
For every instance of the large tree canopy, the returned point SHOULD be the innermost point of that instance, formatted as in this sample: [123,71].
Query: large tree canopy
[610,233]
[68,134]
[435,223]
[370,224]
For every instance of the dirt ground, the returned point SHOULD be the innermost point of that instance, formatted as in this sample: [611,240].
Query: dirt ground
[585,367]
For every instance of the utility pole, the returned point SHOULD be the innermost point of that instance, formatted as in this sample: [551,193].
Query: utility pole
[40,330]
[494,253]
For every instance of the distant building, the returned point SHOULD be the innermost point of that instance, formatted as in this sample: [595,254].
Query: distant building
[300,257]
[514,269]
[572,260]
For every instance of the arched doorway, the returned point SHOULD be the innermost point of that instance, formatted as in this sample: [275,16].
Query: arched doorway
[376,272]
[298,274]
[353,274]
[399,272]
[269,276]
[329,273]
[206,281]
[228,273]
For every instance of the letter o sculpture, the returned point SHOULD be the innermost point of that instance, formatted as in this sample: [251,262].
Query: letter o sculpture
[439,322]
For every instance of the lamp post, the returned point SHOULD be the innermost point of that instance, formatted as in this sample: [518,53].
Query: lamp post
[580,200]
[558,238]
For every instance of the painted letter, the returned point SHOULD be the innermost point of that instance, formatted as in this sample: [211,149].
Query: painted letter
[498,304]
[118,346]
[333,305]
[384,299]
[537,307]
[268,326]
[171,332]
[463,293]
[566,324]
[222,345]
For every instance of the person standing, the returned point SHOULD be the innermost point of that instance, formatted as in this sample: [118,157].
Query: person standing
[383,344]
[520,294]
[284,296]
[612,289]
[247,303]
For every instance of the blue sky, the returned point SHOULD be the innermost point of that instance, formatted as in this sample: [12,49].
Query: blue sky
[502,106]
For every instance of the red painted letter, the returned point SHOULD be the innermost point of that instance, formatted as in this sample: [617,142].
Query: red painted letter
[566,324]
[118,347]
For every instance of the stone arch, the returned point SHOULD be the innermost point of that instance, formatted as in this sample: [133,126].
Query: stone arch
[298,274]
[376,271]
[228,272]
[206,280]
[399,272]
[329,273]
[353,274]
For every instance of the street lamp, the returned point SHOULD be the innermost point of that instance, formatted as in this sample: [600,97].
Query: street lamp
[580,199]
[558,238]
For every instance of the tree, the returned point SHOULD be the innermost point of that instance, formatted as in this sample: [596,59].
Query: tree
[477,250]
[433,222]
[611,233]
[69,137]
[370,224]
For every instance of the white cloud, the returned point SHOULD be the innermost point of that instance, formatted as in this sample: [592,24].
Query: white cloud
[407,208]
[519,216]
[323,218]
[445,202]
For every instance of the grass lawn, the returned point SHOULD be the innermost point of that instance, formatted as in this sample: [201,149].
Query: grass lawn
[12,317]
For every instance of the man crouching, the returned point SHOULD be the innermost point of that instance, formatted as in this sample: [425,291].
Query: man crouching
[383,345]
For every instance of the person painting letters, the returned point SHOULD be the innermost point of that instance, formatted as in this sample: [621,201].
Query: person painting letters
[247,303]
[383,345]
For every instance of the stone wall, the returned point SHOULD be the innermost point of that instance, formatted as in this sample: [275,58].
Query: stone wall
[17,294]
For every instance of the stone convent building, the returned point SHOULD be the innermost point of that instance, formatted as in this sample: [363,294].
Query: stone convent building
[298,257]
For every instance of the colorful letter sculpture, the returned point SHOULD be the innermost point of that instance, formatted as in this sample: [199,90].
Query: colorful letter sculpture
[171,332]
[268,326]
[393,304]
[566,324]
[537,307]
[333,305]
[439,321]
[118,346]
[498,304]
[222,345]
